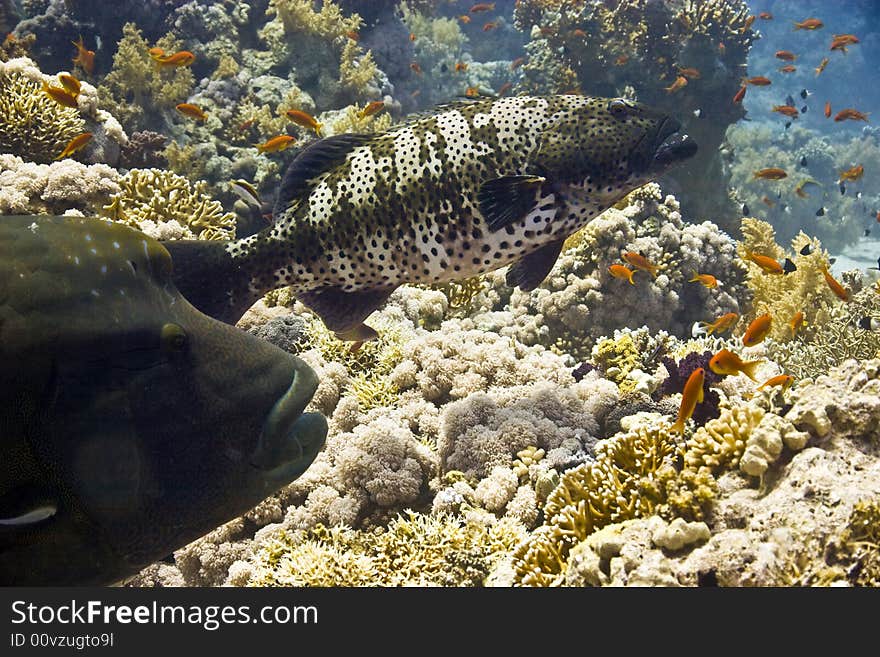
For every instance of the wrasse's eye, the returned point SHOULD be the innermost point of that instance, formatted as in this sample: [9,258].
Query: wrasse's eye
[619,108]
[174,338]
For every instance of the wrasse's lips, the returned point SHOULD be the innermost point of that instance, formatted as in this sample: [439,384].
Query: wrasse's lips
[674,148]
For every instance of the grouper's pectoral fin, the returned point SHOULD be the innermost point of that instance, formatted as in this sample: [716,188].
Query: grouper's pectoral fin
[531,269]
[504,201]
[344,312]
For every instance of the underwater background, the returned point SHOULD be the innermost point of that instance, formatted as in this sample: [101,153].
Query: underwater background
[491,436]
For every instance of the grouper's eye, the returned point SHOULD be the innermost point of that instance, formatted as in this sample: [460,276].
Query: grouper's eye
[174,338]
[619,108]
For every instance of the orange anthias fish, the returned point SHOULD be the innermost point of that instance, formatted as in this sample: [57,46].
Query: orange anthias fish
[276,144]
[472,92]
[416,68]
[639,261]
[796,323]
[690,397]
[757,330]
[620,60]
[758,81]
[841,41]
[853,173]
[70,83]
[680,82]
[504,88]
[821,66]
[181,58]
[491,25]
[60,95]
[622,272]
[747,23]
[707,280]
[809,24]
[852,114]
[788,68]
[739,95]
[305,120]
[464,18]
[74,145]
[838,289]
[372,108]
[460,67]
[690,72]
[771,173]
[780,380]
[766,16]
[786,55]
[727,363]
[722,324]
[192,111]
[788,110]
[828,109]
[767,264]
[84,56]
[482,6]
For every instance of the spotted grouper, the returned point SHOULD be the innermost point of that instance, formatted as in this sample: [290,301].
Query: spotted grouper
[466,189]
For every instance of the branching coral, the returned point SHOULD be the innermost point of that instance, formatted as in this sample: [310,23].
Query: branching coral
[414,550]
[151,197]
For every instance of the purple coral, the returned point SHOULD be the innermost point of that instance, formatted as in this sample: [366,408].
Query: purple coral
[678,375]
[144,151]
[582,370]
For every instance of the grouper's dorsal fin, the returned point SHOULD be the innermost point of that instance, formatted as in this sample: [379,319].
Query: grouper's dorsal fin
[531,269]
[314,160]
[507,200]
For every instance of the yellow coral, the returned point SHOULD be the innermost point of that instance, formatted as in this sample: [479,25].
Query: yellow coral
[300,16]
[32,125]
[350,120]
[720,442]
[227,67]
[615,358]
[161,196]
[356,68]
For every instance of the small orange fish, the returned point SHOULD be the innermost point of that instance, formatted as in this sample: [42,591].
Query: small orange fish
[852,114]
[766,16]
[748,23]
[757,330]
[372,108]
[193,111]
[516,63]
[786,55]
[739,95]
[622,272]
[722,324]
[767,264]
[878,216]
[354,35]
[60,95]
[780,380]
[796,323]
[74,145]
[838,289]
[244,125]
[828,109]
[464,18]
[690,73]
[841,41]
[305,120]
[706,280]
[491,25]
[758,81]
[461,67]
[482,6]
[276,144]
[412,36]
[788,110]
[416,68]
[853,173]
[70,83]
[680,82]
[788,68]
[771,173]
[472,92]
[578,32]
[809,24]
[727,363]
[769,202]
[504,88]
[639,261]
[621,60]
[821,66]
[156,53]
[180,58]
[84,56]
[690,397]
[721,48]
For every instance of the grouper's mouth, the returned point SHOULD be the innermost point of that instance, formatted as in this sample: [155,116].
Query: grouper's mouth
[671,147]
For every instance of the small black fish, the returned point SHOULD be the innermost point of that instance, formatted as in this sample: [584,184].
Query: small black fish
[867,232]
[877,268]
[745,210]
[787,125]
[842,189]
[804,109]
[444,68]
[831,261]
[869,323]
[789,266]
[789,100]
[804,93]
[806,250]
[803,161]
[820,212]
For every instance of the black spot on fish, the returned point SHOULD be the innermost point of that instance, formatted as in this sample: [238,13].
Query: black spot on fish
[806,250]
[789,266]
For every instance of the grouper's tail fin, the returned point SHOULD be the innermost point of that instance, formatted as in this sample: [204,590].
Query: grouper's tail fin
[209,278]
